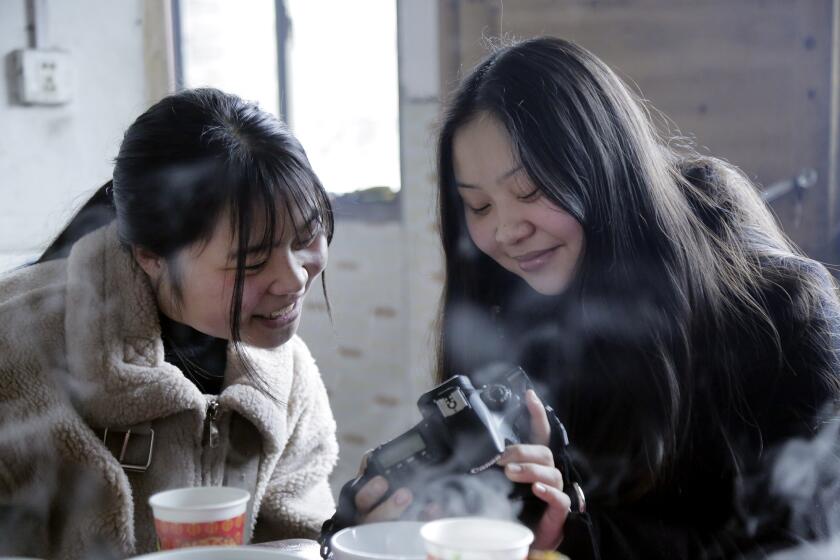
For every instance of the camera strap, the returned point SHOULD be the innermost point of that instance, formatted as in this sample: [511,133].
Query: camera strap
[559,447]
[327,531]
[572,480]
[344,516]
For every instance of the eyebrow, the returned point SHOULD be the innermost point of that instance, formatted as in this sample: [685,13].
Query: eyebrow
[254,249]
[499,179]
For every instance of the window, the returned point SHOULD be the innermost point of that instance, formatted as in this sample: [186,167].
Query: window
[336,80]
[231,48]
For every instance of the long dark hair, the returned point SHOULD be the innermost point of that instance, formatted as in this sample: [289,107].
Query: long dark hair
[183,163]
[674,262]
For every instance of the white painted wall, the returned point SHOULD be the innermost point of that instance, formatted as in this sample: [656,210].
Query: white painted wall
[52,157]
[420,108]
[384,279]
[361,352]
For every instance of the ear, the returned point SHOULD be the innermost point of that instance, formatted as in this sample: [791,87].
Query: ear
[151,263]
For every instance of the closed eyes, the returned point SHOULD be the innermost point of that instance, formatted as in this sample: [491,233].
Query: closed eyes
[533,195]
[304,243]
[529,197]
[479,211]
[256,267]
[298,245]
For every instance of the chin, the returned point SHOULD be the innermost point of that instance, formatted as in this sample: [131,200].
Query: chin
[269,342]
[549,289]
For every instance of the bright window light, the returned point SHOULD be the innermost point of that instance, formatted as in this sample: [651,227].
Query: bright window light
[227,46]
[343,90]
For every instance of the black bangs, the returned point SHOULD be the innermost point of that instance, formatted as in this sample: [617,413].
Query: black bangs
[306,203]
[264,187]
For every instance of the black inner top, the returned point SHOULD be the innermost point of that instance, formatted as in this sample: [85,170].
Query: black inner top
[201,357]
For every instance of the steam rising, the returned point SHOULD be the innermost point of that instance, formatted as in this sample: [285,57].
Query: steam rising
[485,494]
[806,476]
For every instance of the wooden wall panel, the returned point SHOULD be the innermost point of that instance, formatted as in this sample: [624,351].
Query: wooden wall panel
[751,81]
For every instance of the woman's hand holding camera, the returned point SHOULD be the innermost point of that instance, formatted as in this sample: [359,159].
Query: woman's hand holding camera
[534,464]
[526,463]
[369,494]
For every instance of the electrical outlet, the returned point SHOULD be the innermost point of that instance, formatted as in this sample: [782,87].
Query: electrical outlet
[43,77]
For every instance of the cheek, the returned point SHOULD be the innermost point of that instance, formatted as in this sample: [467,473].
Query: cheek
[252,292]
[482,234]
[222,295]
[560,224]
[220,298]
[573,231]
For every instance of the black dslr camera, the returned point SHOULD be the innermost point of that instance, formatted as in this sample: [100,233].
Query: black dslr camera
[464,430]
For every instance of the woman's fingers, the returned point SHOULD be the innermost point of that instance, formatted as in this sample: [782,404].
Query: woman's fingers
[526,453]
[540,428]
[370,493]
[373,490]
[530,473]
[547,484]
[390,509]
[548,533]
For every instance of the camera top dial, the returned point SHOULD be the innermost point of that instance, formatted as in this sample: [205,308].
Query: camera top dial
[496,396]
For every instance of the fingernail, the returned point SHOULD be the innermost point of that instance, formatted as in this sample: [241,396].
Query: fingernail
[539,487]
[533,396]
[513,467]
[401,497]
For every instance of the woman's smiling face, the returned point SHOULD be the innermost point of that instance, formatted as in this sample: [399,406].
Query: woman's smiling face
[507,216]
[274,285]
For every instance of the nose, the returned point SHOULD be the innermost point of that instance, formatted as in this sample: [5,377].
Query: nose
[512,229]
[289,274]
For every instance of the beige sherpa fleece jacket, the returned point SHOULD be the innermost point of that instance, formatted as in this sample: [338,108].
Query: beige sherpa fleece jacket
[80,351]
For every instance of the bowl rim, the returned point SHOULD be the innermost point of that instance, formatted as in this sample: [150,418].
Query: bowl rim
[376,555]
[522,542]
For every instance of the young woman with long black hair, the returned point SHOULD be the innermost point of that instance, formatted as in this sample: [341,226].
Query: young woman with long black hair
[678,334]
[169,306]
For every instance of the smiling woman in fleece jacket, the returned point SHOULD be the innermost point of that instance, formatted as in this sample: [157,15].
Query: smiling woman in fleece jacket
[178,316]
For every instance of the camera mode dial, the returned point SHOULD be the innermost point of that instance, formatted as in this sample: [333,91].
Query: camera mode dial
[496,396]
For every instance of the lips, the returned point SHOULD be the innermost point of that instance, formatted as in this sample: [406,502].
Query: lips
[279,316]
[534,260]
[279,312]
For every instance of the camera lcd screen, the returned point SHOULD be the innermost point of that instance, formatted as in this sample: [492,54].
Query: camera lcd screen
[399,449]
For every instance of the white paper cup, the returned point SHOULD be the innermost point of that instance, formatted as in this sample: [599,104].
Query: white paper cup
[476,538]
[390,540]
[200,516]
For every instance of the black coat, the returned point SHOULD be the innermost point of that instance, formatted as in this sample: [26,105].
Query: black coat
[718,496]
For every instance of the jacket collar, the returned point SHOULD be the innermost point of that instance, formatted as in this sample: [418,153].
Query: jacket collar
[115,352]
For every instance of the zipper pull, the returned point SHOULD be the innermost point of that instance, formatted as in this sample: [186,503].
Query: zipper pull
[212,427]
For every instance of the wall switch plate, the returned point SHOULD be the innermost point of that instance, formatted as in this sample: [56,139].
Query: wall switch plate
[43,77]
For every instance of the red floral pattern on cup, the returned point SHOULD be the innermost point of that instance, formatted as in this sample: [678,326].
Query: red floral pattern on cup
[229,532]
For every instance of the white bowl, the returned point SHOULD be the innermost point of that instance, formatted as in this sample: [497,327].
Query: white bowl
[476,538]
[380,541]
